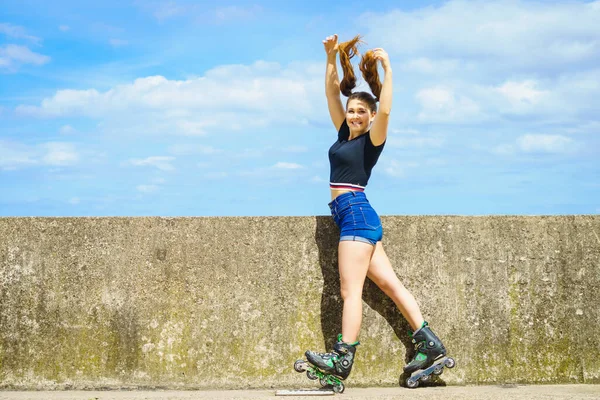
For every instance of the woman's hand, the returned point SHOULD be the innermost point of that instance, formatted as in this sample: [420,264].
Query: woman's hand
[331,44]
[383,57]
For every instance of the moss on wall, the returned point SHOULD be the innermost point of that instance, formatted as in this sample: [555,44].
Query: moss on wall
[233,302]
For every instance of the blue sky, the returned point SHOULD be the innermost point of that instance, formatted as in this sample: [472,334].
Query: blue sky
[194,108]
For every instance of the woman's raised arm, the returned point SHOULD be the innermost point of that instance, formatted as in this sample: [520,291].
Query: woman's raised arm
[332,83]
[380,123]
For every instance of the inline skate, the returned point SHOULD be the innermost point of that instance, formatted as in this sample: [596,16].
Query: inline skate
[430,357]
[329,368]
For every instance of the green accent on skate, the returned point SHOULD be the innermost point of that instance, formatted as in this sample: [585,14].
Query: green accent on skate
[421,357]
[411,333]
[339,339]
[331,379]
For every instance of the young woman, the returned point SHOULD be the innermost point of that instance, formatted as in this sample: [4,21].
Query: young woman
[362,132]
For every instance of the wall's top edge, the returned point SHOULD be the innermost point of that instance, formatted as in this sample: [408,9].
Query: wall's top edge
[307,216]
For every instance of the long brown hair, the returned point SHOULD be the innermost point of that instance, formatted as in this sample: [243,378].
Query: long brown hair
[347,51]
[368,67]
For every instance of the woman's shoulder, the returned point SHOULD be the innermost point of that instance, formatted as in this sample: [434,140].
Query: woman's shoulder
[344,131]
[369,141]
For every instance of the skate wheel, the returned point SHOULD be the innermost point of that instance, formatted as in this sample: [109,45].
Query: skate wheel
[339,388]
[438,370]
[425,378]
[300,366]
[324,382]
[450,363]
[311,375]
[410,383]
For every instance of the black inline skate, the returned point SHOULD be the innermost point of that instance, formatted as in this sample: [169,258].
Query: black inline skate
[329,368]
[430,357]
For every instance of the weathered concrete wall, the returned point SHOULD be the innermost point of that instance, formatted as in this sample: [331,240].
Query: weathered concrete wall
[233,302]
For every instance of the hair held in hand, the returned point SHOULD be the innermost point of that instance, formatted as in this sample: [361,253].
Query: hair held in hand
[367,65]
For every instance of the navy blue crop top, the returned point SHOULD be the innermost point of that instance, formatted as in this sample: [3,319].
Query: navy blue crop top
[352,160]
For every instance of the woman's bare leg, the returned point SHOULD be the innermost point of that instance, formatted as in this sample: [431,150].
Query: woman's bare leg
[383,275]
[353,263]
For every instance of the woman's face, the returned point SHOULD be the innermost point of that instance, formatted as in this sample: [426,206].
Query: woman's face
[358,116]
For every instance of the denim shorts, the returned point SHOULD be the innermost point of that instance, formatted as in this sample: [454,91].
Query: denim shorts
[356,218]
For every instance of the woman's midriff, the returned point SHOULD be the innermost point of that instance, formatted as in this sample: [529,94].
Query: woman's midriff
[336,192]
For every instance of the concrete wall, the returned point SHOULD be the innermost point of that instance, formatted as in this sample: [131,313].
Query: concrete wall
[233,302]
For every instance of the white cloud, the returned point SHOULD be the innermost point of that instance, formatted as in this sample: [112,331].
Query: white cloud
[409,137]
[278,171]
[286,165]
[67,130]
[13,56]
[60,154]
[395,169]
[64,28]
[439,104]
[537,143]
[192,149]
[518,33]
[66,102]
[565,99]
[17,32]
[161,162]
[234,97]
[146,188]
[544,143]
[575,95]
[522,93]
[194,128]
[584,127]
[404,169]
[435,98]
[473,62]
[504,149]
[420,142]
[15,155]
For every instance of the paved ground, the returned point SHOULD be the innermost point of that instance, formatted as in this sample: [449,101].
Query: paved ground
[505,392]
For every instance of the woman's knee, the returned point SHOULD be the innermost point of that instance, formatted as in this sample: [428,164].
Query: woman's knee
[391,287]
[348,293]
[386,288]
